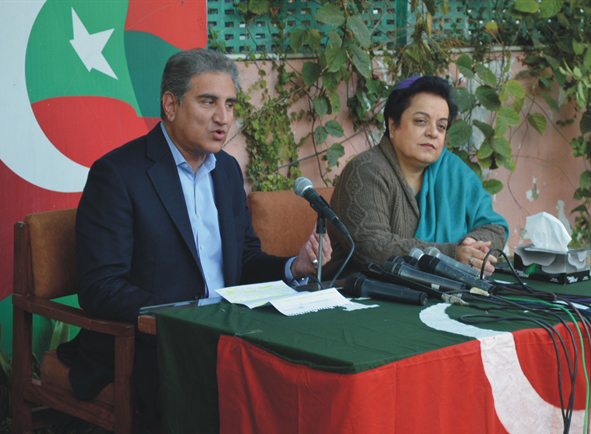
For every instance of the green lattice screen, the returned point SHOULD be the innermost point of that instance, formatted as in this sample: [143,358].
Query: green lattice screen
[390,20]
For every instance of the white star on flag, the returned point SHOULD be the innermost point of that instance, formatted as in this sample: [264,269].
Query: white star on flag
[90,47]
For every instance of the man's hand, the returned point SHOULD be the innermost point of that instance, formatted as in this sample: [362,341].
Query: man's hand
[472,253]
[304,263]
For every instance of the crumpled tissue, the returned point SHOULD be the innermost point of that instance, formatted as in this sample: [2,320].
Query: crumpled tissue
[546,232]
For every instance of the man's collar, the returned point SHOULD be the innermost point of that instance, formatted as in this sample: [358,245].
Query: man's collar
[208,164]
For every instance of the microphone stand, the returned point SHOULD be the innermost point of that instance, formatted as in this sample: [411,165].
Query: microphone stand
[320,230]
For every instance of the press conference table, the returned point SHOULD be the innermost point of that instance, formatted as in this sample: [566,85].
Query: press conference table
[387,368]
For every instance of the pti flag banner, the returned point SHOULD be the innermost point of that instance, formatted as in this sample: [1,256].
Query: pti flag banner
[79,78]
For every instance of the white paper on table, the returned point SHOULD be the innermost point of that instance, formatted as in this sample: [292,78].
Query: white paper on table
[256,294]
[305,302]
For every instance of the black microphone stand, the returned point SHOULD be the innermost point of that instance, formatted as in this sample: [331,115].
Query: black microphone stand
[320,230]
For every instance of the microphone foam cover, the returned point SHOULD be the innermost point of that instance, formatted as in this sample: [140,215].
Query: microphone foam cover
[301,184]
[353,283]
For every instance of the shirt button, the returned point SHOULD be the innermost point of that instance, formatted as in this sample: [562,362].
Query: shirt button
[202,247]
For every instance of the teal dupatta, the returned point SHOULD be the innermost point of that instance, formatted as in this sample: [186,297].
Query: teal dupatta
[453,202]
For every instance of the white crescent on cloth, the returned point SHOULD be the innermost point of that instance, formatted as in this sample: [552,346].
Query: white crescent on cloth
[24,147]
[519,407]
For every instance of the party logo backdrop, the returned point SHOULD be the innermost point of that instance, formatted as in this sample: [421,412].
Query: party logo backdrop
[79,78]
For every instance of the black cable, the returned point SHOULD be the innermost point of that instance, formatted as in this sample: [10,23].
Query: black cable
[566,413]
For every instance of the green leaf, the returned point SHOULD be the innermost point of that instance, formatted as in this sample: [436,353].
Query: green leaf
[412,54]
[310,73]
[492,186]
[259,7]
[331,15]
[361,61]
[334,129]
[550,101]
[527,6]
[486,129]
[314,39]
[335,38]
[585,124]
[242,7]
[587,60]
[331,80]
[578,47]
[320,106]
[430,5]
[464,64]
[320,134]
[501,146]
[335,102]
[549,8]
[484,151]
[488,97]
[515,89]
[335,57]
[492,27]
[510,115]
[486,75]
[518,104]
[538,121]
[463,99]
[506,162]
[585,179]
[501,126]
[360,30]
[459,133]
[333,154]
[297,39]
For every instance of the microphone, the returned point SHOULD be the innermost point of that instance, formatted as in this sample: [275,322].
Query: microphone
[434,265]
[303,188]
[416,253]
[398,267]
[411,260]
[357,285]
[434,251]
[374,271]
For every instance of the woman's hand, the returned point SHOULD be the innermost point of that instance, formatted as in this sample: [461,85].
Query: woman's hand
[472,252]
[307,260]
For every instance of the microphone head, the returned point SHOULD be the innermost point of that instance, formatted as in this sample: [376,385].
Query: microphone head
[416,253]
[300,185]
[428,263]
[433,251]
[393,264]
[411,260]
[353,283]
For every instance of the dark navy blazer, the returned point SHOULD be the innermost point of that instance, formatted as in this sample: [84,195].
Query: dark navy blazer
[135,246]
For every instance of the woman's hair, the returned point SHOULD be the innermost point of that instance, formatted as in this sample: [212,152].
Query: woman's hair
[182,66]
[402,93]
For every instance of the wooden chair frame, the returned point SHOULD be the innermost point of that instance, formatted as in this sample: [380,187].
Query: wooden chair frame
[28,392]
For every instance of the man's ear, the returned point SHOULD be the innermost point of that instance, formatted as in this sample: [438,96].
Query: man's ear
[169,105]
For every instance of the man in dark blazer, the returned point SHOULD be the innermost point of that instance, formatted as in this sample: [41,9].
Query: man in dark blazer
[145,234]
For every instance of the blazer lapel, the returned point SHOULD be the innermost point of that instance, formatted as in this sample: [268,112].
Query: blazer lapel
[223,197]
[164,177]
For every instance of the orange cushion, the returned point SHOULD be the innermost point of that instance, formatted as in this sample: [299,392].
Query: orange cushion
[282,220]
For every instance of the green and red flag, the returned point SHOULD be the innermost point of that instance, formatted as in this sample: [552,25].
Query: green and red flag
[79,78]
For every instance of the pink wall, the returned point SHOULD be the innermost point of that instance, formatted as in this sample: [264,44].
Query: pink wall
[545,179]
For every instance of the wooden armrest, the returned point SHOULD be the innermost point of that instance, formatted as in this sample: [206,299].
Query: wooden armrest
[69,315]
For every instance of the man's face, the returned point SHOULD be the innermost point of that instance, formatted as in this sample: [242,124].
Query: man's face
[200,125]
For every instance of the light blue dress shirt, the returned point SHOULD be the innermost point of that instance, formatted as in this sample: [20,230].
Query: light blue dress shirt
[198,191]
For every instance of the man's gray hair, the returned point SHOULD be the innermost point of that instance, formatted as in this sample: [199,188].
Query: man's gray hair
[182,66]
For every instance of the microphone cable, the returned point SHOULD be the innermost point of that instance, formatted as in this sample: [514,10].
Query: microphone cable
[338,273]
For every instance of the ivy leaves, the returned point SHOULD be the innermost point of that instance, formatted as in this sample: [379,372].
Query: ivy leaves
[346,44]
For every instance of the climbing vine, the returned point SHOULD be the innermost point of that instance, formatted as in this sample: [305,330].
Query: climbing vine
[345,56]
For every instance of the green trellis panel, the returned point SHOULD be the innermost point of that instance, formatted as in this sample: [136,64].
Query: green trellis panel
[390,22]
